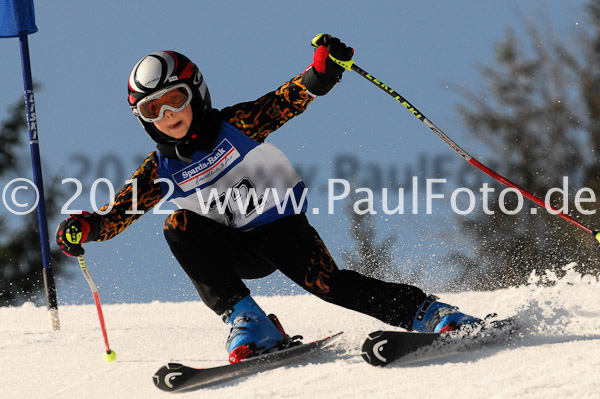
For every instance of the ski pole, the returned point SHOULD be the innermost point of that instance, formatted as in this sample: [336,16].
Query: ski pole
[351,66]
[75,237]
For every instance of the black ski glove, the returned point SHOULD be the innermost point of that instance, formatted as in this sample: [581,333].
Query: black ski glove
[324,73]
[70,244]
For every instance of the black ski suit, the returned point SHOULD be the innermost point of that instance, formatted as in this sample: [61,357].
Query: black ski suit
[217,257]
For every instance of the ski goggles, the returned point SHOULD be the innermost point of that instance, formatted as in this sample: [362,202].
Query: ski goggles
[173,98]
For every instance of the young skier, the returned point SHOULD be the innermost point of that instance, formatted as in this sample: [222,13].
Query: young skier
[207,160]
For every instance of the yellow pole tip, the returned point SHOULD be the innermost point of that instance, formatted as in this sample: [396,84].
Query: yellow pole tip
[110,356]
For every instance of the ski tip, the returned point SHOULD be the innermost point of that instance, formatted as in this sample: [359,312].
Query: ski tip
[164,376]
[372,349]
[175,377]
[373,357]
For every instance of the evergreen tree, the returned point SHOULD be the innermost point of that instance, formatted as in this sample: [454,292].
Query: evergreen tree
[540,115]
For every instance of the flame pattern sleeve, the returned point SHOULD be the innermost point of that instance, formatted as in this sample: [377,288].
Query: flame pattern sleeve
[147,194]
[257,119]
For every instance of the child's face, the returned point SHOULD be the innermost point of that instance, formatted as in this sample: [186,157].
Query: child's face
[176,124]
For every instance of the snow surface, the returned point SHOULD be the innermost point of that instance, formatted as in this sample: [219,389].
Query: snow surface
[558,355]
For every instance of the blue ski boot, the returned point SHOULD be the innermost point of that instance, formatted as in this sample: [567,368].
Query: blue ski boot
[252,332]
[434,316]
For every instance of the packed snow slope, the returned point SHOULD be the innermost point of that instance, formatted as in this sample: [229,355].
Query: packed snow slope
[556,356]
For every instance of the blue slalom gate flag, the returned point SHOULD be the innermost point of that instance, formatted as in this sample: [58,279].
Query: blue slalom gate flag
[17,16]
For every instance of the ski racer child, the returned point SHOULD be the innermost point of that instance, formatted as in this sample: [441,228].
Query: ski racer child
[203,151]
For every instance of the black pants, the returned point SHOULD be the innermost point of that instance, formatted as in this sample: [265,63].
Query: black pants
[217,258]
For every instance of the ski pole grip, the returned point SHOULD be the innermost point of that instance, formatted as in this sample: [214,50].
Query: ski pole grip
[318,41]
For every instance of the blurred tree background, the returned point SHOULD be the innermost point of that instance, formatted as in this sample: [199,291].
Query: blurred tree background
[540,115]
[370,257]
[21,262]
